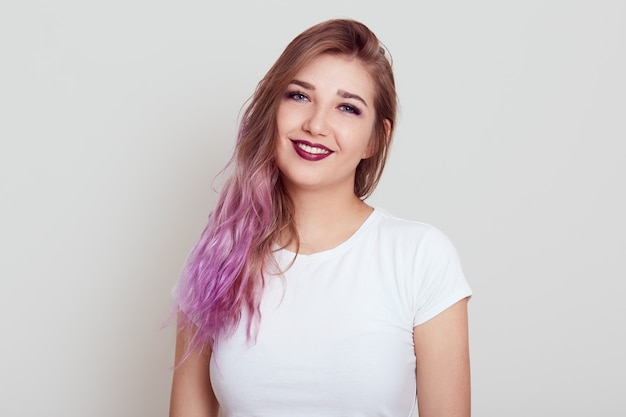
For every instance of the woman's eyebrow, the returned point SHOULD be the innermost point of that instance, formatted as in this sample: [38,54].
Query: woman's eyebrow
[346,94]
[303,84]
[341,93]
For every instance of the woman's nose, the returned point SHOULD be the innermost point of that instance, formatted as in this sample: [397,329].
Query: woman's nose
[316,122]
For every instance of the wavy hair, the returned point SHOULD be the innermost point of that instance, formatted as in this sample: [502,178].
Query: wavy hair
[223,277]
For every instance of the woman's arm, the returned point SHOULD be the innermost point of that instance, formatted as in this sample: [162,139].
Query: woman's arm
[442,364]
[192,394]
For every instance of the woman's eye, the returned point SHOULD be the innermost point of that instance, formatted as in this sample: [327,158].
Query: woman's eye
[349,109]
[296,95]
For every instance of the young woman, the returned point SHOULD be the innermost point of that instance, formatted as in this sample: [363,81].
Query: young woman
[299,298]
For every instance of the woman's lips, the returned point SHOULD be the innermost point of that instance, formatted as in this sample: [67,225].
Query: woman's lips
[310,151]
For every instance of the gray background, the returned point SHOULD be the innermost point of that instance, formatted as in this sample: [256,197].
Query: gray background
[115,117]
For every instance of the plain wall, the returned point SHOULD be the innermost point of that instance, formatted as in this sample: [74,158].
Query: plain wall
[116,116]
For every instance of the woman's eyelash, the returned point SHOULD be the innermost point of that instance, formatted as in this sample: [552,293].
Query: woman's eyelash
[350,109]
[296,95]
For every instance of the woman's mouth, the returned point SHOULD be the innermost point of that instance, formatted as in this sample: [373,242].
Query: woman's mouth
[310,151]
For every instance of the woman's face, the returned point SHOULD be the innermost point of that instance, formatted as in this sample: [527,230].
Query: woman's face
[325,124]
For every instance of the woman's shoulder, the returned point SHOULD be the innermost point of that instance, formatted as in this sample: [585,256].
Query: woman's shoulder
[411,232]
[390,221]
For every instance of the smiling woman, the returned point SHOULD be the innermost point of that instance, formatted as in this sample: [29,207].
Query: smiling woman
[299,298]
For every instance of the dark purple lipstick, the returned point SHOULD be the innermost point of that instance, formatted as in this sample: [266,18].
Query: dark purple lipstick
[310,151]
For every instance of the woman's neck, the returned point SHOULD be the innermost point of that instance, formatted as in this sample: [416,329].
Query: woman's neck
[325,220]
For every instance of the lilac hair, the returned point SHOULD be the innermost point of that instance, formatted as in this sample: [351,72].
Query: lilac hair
[223,275]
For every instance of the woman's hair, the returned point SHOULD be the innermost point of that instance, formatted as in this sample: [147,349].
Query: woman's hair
[223,276]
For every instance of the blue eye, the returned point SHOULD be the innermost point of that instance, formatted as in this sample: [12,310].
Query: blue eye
[350,109]
[296,95]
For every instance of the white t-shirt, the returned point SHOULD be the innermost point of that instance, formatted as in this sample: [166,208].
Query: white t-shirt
[336,333]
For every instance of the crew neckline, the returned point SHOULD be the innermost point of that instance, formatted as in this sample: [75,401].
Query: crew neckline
[334,251]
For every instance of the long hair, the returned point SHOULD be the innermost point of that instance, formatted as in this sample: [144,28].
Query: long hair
[222,279]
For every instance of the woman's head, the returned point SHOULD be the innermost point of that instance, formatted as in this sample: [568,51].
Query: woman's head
[347,38]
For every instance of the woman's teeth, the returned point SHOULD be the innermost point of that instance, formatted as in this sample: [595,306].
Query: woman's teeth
[312,150]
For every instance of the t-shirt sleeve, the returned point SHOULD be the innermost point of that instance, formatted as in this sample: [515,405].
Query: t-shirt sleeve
[439,277]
